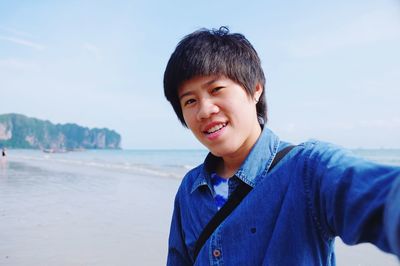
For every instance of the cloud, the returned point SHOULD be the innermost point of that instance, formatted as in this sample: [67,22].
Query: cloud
[378,25]
[17,64]
[93,50]
[393,123]
[22,42]
[332,126]
[16,32]
[377,124]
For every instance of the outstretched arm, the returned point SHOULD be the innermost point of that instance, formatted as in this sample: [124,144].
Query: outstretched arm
[355,199]
[392,217]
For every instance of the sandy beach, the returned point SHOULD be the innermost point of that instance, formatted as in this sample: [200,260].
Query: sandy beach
[59,214]
[83,216]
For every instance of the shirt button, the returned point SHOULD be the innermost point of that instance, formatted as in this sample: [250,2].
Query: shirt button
[216,253]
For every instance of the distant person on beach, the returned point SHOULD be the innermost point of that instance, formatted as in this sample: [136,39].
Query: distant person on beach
[3,160]
[257,200]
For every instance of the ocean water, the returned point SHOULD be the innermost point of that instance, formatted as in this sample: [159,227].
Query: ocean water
[107,207]
[385,156]
[163,163]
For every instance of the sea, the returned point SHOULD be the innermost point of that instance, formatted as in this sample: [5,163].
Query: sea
[109,207]
[163,163]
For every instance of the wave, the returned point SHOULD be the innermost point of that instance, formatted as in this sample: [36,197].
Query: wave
[174,171]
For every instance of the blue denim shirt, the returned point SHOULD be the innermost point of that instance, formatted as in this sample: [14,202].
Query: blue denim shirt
[291,217]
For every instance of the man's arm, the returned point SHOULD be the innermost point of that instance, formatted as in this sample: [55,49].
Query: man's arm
[353,198]
[392,217]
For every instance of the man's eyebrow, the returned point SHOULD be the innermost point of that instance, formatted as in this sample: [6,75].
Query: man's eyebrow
[185,94]
[206,84]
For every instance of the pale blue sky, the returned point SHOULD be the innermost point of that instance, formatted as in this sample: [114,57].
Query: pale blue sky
[333,69]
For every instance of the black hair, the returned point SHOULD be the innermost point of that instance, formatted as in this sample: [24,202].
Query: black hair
[214,52]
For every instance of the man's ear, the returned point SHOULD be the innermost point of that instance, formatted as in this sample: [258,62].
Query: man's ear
[258,91]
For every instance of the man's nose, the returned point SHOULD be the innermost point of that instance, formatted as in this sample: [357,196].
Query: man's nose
[206,109]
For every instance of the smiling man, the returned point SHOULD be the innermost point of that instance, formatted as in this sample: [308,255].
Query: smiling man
[222,116]
[257,200]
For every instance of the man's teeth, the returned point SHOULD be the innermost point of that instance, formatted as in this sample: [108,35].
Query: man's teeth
[215,128]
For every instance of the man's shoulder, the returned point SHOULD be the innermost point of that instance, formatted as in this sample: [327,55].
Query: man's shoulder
[314,147]
[320,156]
[324,149]
[317,152]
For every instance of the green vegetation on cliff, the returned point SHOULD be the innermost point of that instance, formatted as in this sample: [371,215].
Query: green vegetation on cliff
[19,131]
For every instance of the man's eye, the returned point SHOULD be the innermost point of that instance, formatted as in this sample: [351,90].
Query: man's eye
[190,101]
[216,89]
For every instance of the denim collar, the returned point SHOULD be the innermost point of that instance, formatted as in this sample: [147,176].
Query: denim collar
[254,167]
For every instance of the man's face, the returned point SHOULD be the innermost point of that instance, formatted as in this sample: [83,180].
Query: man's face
[220,114]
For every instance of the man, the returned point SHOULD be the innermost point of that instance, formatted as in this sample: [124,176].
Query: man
[293,212]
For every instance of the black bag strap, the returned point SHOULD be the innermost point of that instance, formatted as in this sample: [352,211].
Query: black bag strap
[234,200]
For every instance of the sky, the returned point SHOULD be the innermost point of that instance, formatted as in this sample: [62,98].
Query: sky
[332,68]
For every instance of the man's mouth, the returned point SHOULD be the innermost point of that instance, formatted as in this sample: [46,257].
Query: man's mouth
[215,128]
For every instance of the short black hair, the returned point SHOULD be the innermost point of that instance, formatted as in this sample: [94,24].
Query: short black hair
[214,52]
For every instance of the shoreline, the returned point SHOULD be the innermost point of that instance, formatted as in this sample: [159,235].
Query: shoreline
[53,163]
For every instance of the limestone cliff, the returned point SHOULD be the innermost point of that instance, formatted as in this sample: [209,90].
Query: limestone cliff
[19,131]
